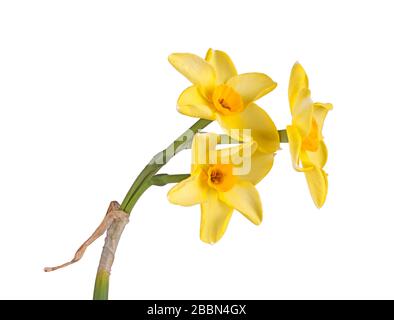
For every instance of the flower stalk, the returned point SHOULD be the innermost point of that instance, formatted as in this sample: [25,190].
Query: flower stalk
[163,179]
[283,136]
[140,185]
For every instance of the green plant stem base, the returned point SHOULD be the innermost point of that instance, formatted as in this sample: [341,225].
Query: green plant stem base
[101,285]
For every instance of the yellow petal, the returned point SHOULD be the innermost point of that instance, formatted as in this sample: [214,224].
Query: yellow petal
[251,86]
[249,163]
[319,114]
[203,147]
[318,185]
[298,82]
[237,154]
[316,158]
[261,163]
[188,192]
[222,64]
[302,112]
[215,216]
[244,198]
[192,103]
[263,129]
[295,143]
[196,69]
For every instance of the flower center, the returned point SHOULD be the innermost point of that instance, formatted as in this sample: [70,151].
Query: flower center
[220,177]
[226,100]
[311,141]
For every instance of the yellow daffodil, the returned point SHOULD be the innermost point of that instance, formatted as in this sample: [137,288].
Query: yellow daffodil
[220,93]
[221,181]
[307,148]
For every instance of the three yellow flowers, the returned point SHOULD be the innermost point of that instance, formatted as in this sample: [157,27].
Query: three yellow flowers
[222,180]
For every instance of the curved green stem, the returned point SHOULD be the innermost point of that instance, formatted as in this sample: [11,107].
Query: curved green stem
[163,179]
[140,185]
[161,158]
[138,193]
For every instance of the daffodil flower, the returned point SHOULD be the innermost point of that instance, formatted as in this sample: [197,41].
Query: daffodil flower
[307,148]
[220,93]
[219,184]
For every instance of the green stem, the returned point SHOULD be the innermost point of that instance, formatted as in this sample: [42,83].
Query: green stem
[163,179]
[101,285]
[283,136]
[138,193]
[160,159]
[140,185]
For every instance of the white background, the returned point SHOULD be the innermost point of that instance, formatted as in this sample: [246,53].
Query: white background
[87,97]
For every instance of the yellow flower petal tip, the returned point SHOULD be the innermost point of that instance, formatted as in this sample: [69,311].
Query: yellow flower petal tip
[195,69]
[307,148]
[298,81]
[318,186]
[220,183]
[223,65]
